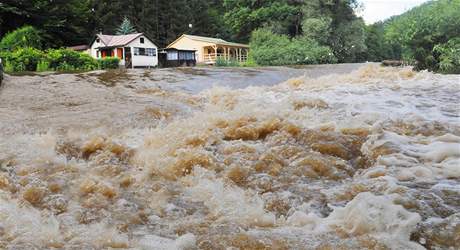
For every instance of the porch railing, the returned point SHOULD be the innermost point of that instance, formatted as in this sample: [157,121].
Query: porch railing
[211,58]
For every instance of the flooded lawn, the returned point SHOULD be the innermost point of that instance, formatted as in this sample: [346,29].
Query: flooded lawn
[319,157]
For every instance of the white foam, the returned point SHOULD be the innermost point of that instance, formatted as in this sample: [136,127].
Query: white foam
[228,202]
[154,242]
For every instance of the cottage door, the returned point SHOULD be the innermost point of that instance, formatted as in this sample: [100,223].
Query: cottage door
[128,61]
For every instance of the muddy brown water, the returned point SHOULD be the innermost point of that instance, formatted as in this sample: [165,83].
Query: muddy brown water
[351,156]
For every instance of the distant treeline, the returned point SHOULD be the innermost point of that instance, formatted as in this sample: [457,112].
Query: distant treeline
[279,31]
[427,36]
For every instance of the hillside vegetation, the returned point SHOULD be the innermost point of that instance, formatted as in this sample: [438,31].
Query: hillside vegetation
[428,35]
[280,32]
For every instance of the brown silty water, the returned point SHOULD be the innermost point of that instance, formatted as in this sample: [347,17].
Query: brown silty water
[365,160]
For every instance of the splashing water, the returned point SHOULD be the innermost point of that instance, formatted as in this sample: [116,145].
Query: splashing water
[368,160]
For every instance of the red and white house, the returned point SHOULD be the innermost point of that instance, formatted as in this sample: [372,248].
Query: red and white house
[133,50]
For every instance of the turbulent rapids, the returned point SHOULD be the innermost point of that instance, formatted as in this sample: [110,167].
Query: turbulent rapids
[367,160]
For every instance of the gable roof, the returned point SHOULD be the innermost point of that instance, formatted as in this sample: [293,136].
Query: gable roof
[216,41]
[78,47]
[119,40]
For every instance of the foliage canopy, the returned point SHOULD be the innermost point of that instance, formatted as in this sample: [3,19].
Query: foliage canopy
[422,36]
[26,36]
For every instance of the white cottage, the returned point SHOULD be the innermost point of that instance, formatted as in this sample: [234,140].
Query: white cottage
[133,50]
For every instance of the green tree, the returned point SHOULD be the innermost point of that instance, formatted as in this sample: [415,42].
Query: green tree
[126,28]
[24,37]
[421,29]
[61,22]
[449,56]
[268,48]
[244,16]
[334,23]
[317,28]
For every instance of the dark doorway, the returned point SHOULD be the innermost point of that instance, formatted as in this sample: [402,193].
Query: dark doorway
[128,60]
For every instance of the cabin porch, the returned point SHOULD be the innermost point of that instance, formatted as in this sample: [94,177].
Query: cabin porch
[211,53]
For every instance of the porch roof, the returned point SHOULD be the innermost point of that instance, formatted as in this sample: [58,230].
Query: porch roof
[216,41]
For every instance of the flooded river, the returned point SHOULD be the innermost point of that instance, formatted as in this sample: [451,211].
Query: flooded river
[367,158]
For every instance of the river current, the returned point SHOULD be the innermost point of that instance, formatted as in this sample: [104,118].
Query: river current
[367,160]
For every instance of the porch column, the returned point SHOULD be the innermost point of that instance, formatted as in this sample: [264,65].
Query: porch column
[123,56]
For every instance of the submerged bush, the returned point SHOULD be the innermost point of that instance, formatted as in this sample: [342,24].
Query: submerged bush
[449,56]
[67,60]
[268,48]
[222,62]
[250,62]
[109,63]
[30,59]
[1,73]
[23,59]
[43,66]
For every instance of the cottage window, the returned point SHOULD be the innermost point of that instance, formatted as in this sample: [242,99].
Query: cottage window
[98,40]
[145,51]
[172,55]
[139,51]
[189,55]
[142,40]
[151,52]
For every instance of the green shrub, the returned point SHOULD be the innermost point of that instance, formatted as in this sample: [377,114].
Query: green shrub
[222,62]
[109,63]
[68,60]
[233,63]
[30,59]
[449,56]
[43,66]
[24,59]
[87,62]
[24,37]
[250,62]
[1,73]
[272,49]
[8,67]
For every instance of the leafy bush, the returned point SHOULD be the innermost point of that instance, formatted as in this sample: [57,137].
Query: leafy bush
[109,63]
[30,59]
[24,37]
[43,66]
[8,67]
[23,59]
[1,73]
[222,62]
[272,49]
[250,62]
[449,56]
[68,60]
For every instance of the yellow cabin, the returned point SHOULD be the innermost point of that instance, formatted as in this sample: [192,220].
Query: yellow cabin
[209,49]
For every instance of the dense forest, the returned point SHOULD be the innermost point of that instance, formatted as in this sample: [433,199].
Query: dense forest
[279,31]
